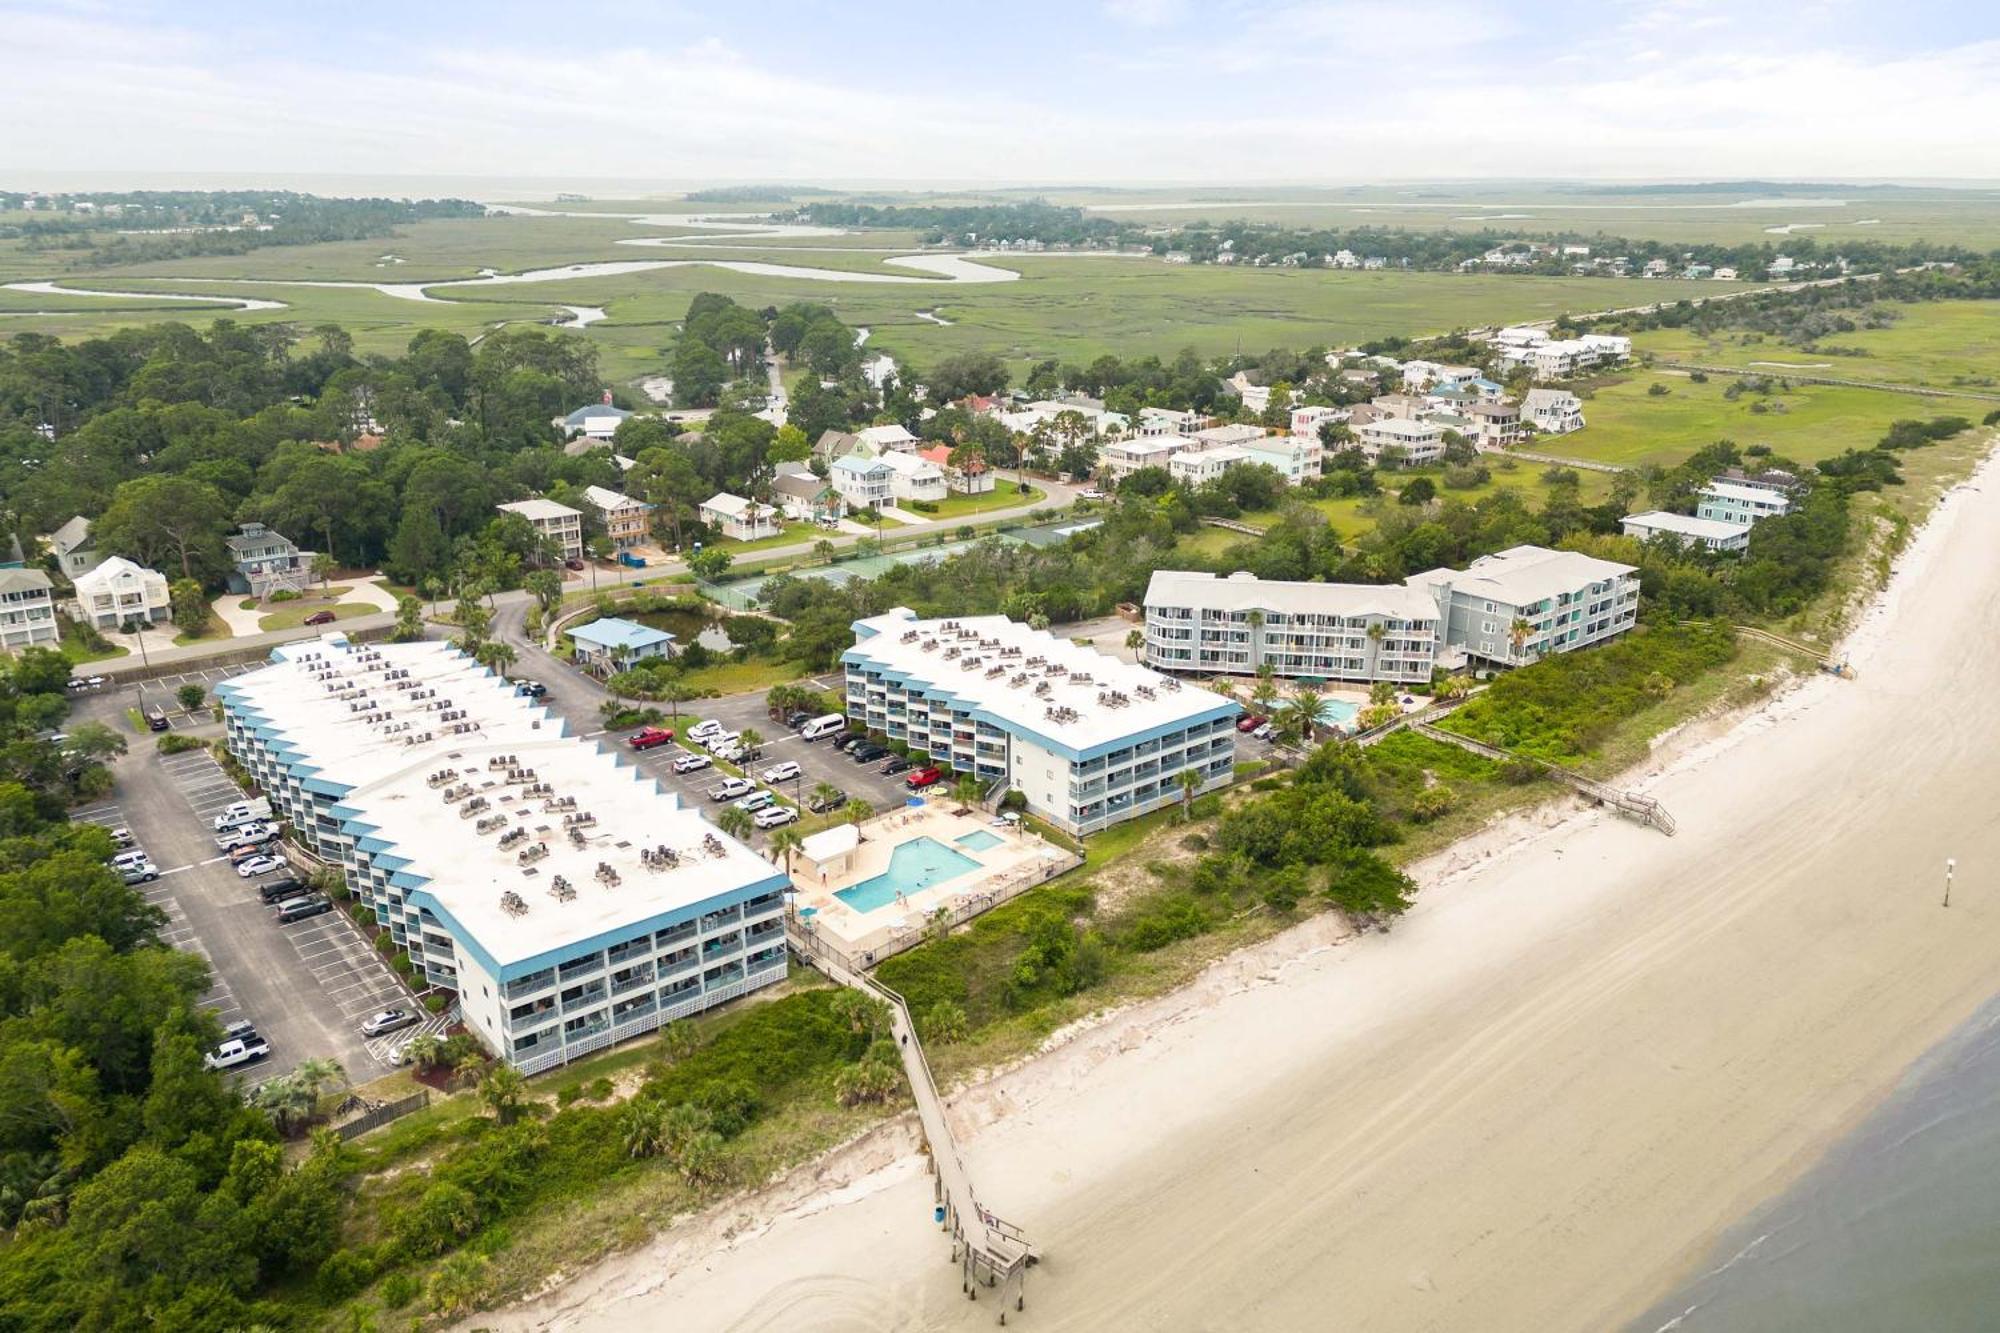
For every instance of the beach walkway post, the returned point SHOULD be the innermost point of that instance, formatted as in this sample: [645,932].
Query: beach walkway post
[990,1252]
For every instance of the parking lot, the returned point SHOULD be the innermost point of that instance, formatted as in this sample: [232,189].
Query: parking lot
[307,986]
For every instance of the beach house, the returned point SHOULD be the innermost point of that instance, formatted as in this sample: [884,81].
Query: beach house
[624,518]
[118,592]
[560,525]
[739,519]
[1712,533]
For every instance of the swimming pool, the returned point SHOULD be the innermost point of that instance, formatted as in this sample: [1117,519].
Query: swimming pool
[978,840]
[916,864]
[1340,712]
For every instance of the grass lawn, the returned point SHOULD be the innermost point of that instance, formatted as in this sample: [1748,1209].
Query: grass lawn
[1938,344]
[1809,422]
[216,628]
[1004,495]
[790,534]
[293,614]
[740,677]
[79,655]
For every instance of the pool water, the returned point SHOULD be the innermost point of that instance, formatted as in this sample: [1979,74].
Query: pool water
[978,840]
[1340,712]
[916,864]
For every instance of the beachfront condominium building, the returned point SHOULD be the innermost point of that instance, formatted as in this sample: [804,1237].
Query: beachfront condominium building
[560,525]
[1086,738]
[27,609]
[1712,533]
[1740,503]
[1199,623]
[1527,602]
[568,899]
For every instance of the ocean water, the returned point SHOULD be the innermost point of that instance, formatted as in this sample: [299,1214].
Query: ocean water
[1898,1228]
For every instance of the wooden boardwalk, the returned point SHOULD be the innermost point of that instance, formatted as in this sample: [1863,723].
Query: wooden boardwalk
[989,1251]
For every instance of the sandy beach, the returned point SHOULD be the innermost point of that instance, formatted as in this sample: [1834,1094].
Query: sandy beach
[1532,1105]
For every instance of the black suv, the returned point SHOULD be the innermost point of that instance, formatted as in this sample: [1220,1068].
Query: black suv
[278,890]
[798,719]
[896,765]
[868,752]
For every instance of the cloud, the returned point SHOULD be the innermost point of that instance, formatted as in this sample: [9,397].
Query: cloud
[1146,13]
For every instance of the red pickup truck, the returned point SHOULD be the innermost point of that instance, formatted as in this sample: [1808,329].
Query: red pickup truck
[647,737]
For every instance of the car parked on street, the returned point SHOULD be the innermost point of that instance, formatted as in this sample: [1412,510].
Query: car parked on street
[720,740]
[647,738]
[730,788]
[832,800]
[1266,732]
[260,865]
[388,1020]
[244,851]
[776,816]
[923,777]
[688,762]
[784,772]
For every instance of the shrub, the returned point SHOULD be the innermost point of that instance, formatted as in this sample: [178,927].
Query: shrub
[1205,807]
[1194,842]
[1161,920]
[436,1003]
[1432,803]
[175,743]
[398,1290]
[404,967]
[923,506]
[284,595]
[1657,390]
[343,1273]
[190,696]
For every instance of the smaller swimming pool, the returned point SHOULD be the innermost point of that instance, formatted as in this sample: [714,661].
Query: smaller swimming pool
[916,864]
[1340,712]
[978,840]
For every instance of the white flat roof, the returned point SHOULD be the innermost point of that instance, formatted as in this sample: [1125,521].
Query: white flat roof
[1247,592]
[1684,525]
[994,665]
[388,770]
[1736,490]
[1525,575]
[538,510]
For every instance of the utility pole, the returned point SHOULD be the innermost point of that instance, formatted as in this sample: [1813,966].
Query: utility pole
[1950,866]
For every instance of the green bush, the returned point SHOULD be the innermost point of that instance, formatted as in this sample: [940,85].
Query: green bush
[398,1290]
[436,1002]
[175,743]
[404,967]
[283,595]
[1162,919]
[923,506]
[343,1273]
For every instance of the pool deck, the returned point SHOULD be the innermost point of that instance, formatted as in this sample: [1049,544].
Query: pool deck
[1020,860]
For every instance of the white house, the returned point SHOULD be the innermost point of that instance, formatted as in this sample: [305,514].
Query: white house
[1552,411]
[806,496]
[1255,397]
[117,592]
[27,609]
[1307,420]
[624,518]
[1155,421]
[738,518]
[1412,442]
[1421,375]
[562,525]
[1712,533]
[1195,466]
[1122,458]
[1296,458]
[862,480]
[887,439]
[1494,425]
[1741,503]
[597,421]
[914,477]
[1239,434]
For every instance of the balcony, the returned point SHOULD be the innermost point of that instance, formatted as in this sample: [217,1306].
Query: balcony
[578,967]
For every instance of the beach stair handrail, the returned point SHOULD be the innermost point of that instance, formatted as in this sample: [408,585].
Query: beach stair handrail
[1646,809]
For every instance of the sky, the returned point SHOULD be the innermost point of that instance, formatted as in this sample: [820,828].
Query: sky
[1036,92]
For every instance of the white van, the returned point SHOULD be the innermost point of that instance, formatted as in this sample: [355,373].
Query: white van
[823,726]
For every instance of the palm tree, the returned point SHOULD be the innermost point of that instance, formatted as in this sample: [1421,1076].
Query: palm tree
[786,841]
[1190,783]
[1264,699]
[496,656]
[503,1090]
[679,1040]
[317,1075]
[825,794]
[322,569]
[1518,632]
[1305,711]
[1453,687]
[857,810]
[966,789]
[468,1069]
[736,823]
[673,695]
[1134,641]
[752,738]
[1255,620]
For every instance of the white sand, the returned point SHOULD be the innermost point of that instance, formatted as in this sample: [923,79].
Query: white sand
[1531,1106]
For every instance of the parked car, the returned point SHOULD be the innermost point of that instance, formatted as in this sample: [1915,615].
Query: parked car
[797,718]
[321,618]
[784,772]
[134,857]
[755,801]
[730,752]
[242,834]
[281,890]
[573,564]
[244,851]
[705,728]
[819,805]
[868,752]
[1090,493]
[260,865]
[156,720]
[145,872]
[897,764]
[776,816]
[923,777]
[717,740]
[237,1052]
[241,812]
[847,740]
[1251,721]
[730,788]
[689,762]
[646,738]
[298,909]
[241,1030]
[1266,732]
[121,837]
[530,689]
[387,1021]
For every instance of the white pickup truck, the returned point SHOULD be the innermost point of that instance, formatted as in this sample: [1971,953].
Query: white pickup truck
[247,1048]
